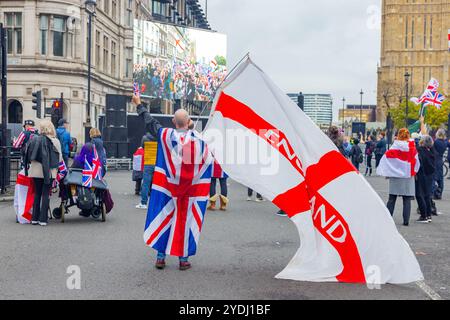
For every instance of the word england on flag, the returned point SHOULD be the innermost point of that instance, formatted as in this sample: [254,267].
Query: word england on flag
[346,231]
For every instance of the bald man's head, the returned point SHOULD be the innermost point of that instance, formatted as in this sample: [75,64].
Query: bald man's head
[181,119]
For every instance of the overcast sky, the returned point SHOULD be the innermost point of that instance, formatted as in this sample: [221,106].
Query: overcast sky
[320,46]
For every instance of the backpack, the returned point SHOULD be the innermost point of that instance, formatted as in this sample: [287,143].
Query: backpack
[85,199]
[360,158]
[357,156]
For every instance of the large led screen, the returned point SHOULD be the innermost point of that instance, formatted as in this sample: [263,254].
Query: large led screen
[172,62]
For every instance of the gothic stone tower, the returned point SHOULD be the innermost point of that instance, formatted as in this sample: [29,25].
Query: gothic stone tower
[414,38]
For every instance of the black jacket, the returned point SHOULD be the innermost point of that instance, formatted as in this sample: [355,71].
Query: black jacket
[427,161]
[152,125]
[355,153]
[380,148]
[424,178]
[42,150]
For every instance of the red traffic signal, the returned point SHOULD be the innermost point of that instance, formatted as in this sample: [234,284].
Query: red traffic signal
[56,104]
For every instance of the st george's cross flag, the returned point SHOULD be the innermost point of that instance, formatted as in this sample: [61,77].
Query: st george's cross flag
[400,161]
[24,198]
[346,231]
[179,195]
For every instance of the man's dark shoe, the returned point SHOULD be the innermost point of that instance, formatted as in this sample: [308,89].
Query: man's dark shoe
[160,264]
[185,265]
[281,213]
[423,220]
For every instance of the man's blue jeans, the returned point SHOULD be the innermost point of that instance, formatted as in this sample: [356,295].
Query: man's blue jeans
[162,256]
[147,183]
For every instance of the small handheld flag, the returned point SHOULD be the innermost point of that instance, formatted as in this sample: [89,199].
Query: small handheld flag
[136,89]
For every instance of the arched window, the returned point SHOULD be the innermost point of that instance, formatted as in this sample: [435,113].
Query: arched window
[15,112]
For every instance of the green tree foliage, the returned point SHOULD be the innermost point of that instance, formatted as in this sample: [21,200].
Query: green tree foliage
[399,114]
[221,61]
[435,118]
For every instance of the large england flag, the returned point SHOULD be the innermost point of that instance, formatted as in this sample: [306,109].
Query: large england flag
[346,232]
[24,198]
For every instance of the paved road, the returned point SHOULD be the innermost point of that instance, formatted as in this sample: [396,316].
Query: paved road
[240,253]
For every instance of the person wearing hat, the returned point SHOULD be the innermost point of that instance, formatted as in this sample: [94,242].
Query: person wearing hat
[25,136]
[65,139]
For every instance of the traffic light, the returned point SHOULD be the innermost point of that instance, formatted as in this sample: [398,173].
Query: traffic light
[37,103]
[57,112]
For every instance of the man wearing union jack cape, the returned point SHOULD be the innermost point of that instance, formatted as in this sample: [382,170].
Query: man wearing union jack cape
[180,189]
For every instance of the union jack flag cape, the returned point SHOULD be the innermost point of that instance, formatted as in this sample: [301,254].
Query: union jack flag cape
[92,171]
[180,192]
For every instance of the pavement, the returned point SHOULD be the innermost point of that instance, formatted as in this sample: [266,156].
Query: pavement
[240,252]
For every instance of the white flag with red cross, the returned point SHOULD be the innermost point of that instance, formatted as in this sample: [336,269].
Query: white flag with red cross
[346,231]
[24,198]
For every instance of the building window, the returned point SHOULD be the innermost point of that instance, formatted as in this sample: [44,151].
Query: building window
[406,33]
[113,58]
[53,35]
[105,53]
[13,27]
[97,49]
[129,12]
[59,33]
[43,39]
[129,62]
[106,7]
[114,9]
[431,33]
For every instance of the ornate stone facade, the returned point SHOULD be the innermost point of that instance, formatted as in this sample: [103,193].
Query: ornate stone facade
[414,39]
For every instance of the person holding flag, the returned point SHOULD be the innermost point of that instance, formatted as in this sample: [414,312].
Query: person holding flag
[180,190]
[400,164]
[431,97]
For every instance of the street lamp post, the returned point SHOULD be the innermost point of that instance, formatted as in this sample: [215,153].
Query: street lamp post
[343,114]
[4,84]
[361,105]
[90,9]
[407,75]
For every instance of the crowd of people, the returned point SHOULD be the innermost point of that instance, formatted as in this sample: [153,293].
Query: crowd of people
[45,154]
[174,80]
[421,180]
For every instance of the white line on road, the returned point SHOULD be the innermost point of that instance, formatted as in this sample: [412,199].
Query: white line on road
[428,291]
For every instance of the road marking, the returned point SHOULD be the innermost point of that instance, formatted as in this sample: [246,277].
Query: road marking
[428,291]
